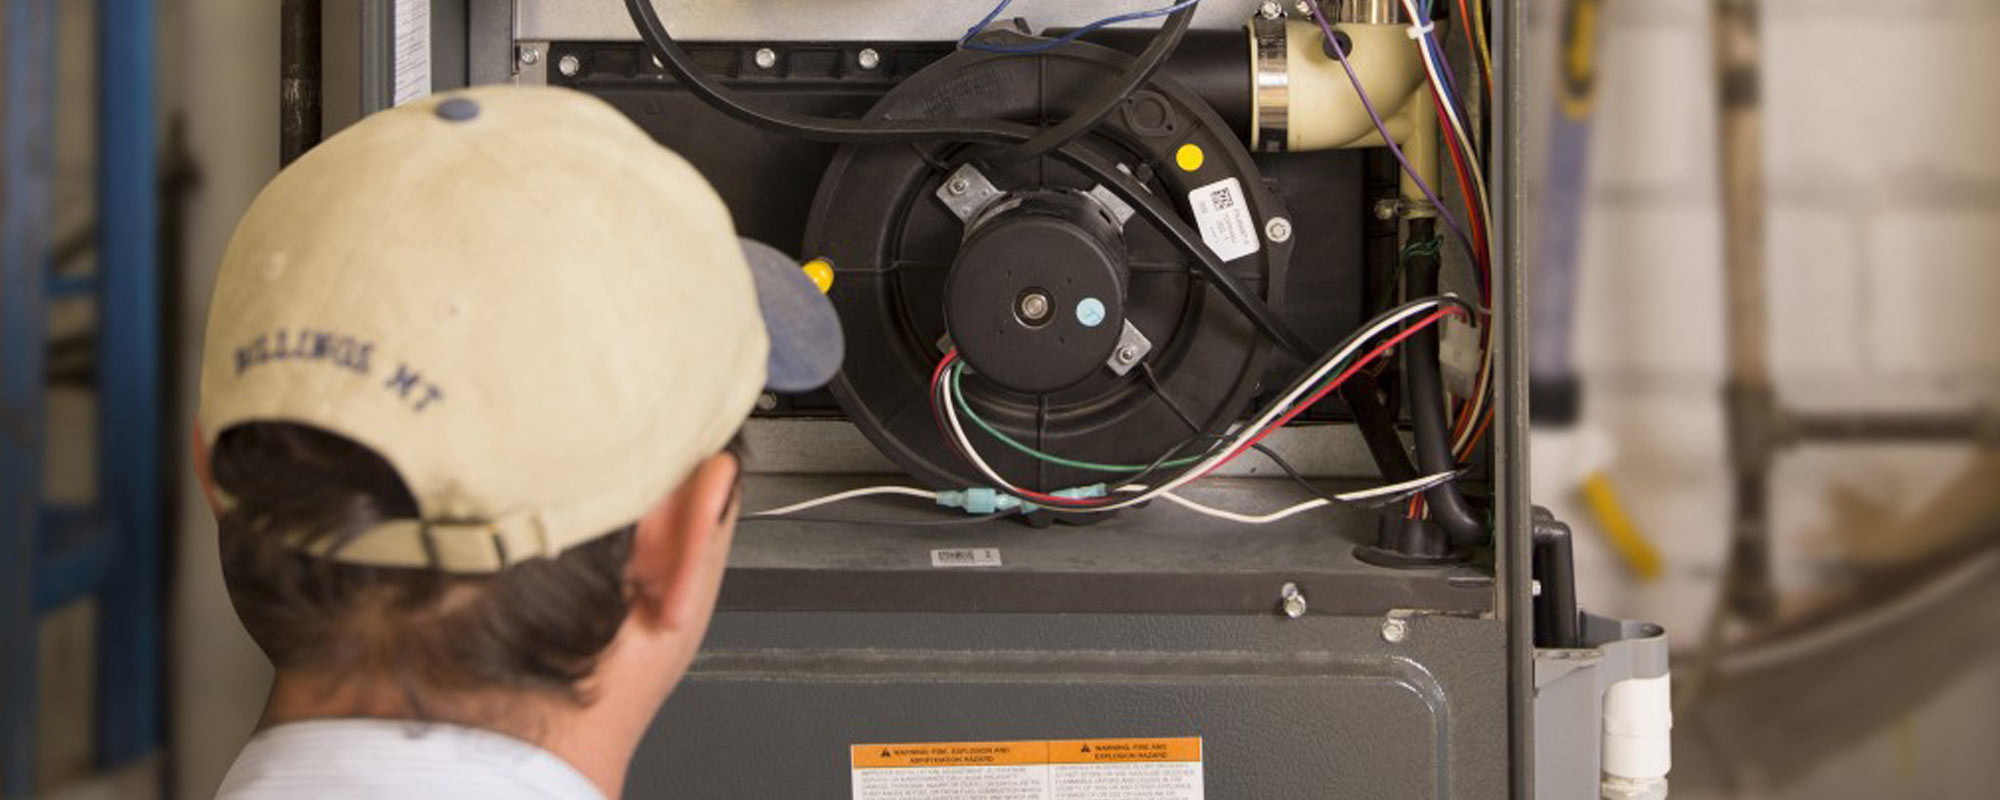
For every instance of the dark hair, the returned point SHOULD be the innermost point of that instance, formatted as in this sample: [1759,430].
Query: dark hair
[540,624]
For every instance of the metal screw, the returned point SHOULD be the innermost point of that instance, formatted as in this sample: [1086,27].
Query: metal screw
[766,58]
[1394,630]
[569,66]
[1128,354]
[958,186]
[1292,601]
[1270,10]
[767,402]
[868,58]
[1034,307]
[1387,208]
[1305,8]
[531,56]
[1278,229]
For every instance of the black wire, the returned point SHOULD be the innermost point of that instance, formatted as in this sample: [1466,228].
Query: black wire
[1142,70]
[895,131]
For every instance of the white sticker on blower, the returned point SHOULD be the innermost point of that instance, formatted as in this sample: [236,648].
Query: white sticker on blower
[1223,215]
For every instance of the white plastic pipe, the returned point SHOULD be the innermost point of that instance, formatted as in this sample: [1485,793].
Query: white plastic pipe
[1638,737]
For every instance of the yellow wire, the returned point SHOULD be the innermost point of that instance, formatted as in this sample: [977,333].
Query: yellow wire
[1478,26]
[1638,552]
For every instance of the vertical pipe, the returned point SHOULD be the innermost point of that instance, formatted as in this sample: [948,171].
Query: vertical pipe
[299,100]
[27,126]
[1748,395]
[1557,394]
[128,382]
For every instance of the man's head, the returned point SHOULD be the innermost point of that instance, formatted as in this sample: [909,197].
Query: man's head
[472,370]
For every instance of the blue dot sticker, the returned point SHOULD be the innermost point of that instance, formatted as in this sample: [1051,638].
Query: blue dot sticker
[1090,312]
[457,109]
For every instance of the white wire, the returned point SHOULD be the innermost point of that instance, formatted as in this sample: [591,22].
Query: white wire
[1220,454]
[1455,122]
[1357,496]
[906,491]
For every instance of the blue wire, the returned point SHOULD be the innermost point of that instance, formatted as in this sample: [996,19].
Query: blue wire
[1043,47]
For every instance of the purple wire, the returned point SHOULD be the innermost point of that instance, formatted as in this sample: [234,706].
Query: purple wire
[1333,43]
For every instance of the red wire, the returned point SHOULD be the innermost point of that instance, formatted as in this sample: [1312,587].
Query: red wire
[1481,255]
[937,377]
[1342,378]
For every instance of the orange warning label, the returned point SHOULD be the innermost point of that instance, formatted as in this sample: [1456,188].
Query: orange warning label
[949,754]
[1095,751]
[1067,769]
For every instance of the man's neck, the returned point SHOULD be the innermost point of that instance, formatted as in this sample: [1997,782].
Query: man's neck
[597,739]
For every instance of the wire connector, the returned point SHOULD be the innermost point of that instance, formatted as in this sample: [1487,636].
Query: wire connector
[981,500]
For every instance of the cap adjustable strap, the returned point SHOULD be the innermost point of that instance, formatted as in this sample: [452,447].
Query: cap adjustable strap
[452,546]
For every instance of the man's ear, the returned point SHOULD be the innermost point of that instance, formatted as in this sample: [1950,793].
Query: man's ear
[680,548]
[203,473]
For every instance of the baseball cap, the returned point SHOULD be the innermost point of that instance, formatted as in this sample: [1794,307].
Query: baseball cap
[542,319]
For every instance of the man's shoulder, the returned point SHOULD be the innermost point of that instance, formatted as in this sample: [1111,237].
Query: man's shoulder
[397,758]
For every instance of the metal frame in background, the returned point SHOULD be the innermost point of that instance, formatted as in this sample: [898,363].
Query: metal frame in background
[111,550]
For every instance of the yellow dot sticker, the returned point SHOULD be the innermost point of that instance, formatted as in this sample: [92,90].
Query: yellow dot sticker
[820,271]
[1189,157]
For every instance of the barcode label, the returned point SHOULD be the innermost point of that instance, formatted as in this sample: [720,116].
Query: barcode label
[412,67]
[966,557]
[1224,219]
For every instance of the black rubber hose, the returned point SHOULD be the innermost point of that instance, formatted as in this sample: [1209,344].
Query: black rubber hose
[1378,427]
[848,131]
[1423,370]
[1142,70]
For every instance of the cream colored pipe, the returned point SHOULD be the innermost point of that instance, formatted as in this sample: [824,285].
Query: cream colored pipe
[1323,112]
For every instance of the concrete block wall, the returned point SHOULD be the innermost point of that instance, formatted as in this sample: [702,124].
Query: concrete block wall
[1884,195]
[1884,264]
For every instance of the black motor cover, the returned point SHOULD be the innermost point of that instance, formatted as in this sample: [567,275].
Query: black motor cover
[903,264]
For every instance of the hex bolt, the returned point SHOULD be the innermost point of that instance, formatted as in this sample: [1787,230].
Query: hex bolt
[1270,10]
[767,402]
[1034,307]
[766,58]
[531,56]
[958,186]
[1395,629]
[1387,208]
[569,66]
[1306,10]
[868,58]
[1292,601]
[1278,229]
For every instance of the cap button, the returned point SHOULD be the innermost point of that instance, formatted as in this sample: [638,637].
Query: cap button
[458,109]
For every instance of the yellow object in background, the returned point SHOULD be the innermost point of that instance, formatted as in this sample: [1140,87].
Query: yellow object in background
[820,271]
[1632,546]
[1190,157]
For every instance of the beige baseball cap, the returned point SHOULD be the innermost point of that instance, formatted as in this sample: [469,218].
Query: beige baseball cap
[540,317]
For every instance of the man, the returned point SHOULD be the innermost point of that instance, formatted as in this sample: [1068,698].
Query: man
[472,371]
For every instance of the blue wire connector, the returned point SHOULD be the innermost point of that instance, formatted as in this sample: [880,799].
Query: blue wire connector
[980,500]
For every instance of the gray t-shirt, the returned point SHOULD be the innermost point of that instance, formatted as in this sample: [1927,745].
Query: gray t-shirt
[345,758]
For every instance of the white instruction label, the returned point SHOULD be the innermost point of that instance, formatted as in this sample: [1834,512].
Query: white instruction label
[1079,769]
[412,56]
[966,557]
[1223,215]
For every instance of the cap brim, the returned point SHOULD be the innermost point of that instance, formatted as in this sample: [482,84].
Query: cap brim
[806,342]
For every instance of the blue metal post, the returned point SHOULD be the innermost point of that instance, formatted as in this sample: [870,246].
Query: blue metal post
[128,383]
[28,121]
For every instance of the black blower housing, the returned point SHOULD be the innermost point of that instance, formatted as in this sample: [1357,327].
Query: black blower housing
[911,276]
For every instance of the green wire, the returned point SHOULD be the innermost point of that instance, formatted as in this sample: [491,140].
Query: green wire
[966,409]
